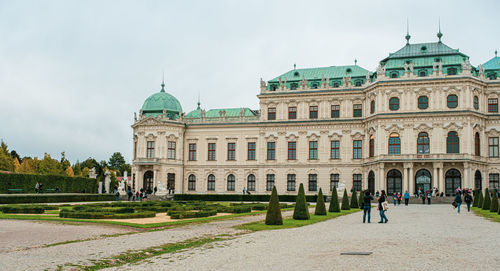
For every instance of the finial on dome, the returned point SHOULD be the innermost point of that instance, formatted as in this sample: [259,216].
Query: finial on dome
[496,53]
[355,62]
[163,83]
[294,66]
[407,37]
[199,101]
[439,34]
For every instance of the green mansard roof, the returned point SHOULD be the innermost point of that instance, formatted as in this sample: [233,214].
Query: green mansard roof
[214,113]
[492,64]
[424,50]
[318,73]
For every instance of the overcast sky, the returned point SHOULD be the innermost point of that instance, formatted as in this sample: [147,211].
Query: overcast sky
[72,73]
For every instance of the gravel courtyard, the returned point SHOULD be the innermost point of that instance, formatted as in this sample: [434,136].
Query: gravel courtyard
[417,237]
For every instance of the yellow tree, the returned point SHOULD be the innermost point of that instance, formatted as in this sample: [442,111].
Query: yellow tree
[69,171]
[85,172]
[17,166]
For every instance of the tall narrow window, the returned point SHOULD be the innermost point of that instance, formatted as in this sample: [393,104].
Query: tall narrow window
[394,144]
[313,112]
[493,146]
[452,101]
[493,105]
[394,103]
[251,182]
[192,152]
[231,182]
[494,179]
[150,149]
[335,111]
[171,150]
[292,113]
[192,182]
[292,150]
[251,150]
[269,182]
[372,107]
[477,144]
[211,151]
[231,151]
[335,149]
[423,102]
[452,71]
[476,102]
[271,113]
[313,150]
[356,182]
[357,111]
[371,150]
[334,181]
[452,143]
[211,182]
[271,150]
[290,182]
[423,143]
[357,146]
[313,182]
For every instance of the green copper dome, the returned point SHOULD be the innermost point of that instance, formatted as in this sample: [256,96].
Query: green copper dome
[156,103]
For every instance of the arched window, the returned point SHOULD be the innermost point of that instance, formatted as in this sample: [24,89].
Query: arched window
[422,73]
[452,181]
[314,85]
[452,71]
[251,182]
[394,182]
[452,143]
[211,182]
[273,87]
[492,76]
[476,102]
[477,145]
[394,103]
[423,143]
[358,83]
[394,75]
[452,101]
[423,102]
[371,150]
[294,86]
[192,182]
[372,106]
[335,84]
[230,182]
[394,144]
[478,180]
[423,180]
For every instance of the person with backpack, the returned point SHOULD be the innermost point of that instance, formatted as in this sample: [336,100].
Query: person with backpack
[458,200]
[406,196]
[382,207]
[468,200]
[367,205]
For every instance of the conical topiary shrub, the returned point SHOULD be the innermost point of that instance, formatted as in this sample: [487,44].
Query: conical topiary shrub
[476,198]
[320,204]
[345,201]
[494,202]
[354,200]
[334,202]
[487,200]
[273,216]
[480,199]
[360,198]
[301,212]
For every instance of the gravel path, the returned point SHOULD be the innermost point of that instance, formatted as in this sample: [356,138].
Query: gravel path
[416,238]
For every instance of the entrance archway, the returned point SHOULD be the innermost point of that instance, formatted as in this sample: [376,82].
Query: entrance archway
[423,181]
[394,182]
[478,180]
[452,181]
[147,182]
[371,182]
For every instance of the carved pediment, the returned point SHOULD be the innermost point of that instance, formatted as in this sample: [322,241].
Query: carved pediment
[452,126]
[149,121]
[394,128]
[423,127]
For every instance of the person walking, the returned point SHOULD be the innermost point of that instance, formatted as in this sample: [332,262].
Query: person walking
[394,198]
[458,200]
[406,196]
[468,200]
[429,195]
[155,190]
[422,196]
[37,186]
[382,207]
[367,205]
[399,198]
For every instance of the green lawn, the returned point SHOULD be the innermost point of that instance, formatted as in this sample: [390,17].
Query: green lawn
[494,216]
[291,223]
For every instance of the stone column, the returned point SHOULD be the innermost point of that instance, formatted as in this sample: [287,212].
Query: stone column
[405,178]
[442,187]
[411,180]
[466,181]
[381,179]
[435,176]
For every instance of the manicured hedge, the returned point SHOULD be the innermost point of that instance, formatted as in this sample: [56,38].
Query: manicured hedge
[41,198]
[65,184]
[20,209]
[191,214]
[240,197]
[105,215]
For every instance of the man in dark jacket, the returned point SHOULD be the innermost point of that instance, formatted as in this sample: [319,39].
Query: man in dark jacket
[367,205]
[468,200]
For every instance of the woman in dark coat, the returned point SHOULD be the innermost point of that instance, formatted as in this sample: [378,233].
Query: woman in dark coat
[367,207]
[381,208]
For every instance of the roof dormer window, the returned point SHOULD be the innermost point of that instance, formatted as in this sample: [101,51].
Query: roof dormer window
[296,74]
[348,70]
[423,48]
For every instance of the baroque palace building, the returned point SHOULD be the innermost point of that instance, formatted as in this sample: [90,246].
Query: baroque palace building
[425,118]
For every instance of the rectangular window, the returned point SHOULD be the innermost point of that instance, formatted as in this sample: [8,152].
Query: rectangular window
[292,150]
[313,182]
[292,113]
[150,149]
[494,179]
[269,182]
[335,149]
[493,146]
[356,182]
[290,184]
[357,111]
[271,113]
[335,111]
[357,146]
[313,112]
[493,105]
[271,150]
[231,151]
[171,150]
[313,150]
[211,151]
[192,152]
[334,181]
[251,150]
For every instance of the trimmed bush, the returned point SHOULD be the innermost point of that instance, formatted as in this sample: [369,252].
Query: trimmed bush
[476,198]
[192,214]
[320,204]
[104,215]
[301,212]
[260,207]
[345,201]
[334,202]
[41,198]
[494,202]
[65,184]
[354,200]
[21,209]
[273,216]
[240,197]
[480,200]
[487,200]
[360,199]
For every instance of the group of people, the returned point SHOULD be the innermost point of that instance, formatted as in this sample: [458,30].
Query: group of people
[382,206]
[467,198]
[38,187]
